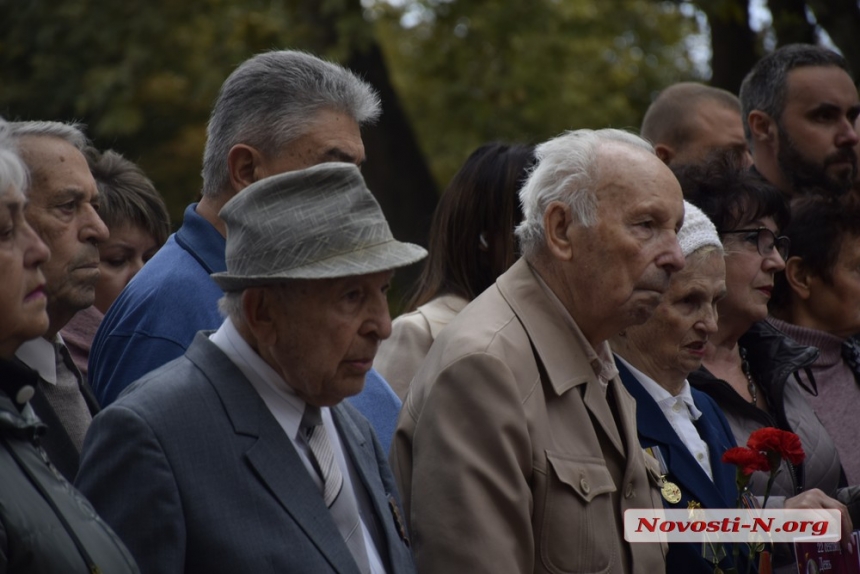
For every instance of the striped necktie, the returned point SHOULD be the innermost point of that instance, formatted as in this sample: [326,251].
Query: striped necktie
[323,457]
[338,495]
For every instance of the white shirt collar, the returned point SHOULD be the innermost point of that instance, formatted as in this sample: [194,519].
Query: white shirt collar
[663,397]
[267,382]
[41,355]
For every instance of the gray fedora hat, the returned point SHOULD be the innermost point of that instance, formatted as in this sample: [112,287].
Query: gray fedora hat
[316,223]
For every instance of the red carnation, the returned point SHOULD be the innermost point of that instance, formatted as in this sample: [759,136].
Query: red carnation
[746,459]
[779,442]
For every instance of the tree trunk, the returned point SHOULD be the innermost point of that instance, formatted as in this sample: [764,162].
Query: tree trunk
[732,41]
[790,22]
[395,169]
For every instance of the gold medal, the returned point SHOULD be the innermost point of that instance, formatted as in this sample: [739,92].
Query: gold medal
[670,492]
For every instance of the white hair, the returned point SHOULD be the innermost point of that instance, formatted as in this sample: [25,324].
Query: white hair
[13,172]
[230,306]
[566,171]
[71,133]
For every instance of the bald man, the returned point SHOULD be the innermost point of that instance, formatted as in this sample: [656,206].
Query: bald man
[689,120]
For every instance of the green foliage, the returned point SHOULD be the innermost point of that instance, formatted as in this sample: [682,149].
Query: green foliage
[472,71]
[143,74]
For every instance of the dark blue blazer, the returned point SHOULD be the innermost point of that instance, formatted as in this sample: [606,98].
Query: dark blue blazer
[654,430]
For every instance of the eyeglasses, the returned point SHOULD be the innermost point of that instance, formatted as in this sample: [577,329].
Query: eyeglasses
[765,241]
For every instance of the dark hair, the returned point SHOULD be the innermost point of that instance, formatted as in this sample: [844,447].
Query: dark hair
[764,87]
[669,118]
[817,230]
[481,200]
[126,195]
[730,194]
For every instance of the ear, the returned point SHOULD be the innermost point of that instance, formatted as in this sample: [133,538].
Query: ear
[798,278]
[243,162]
[557,220]
[664,152]
[762,127]
[256,305]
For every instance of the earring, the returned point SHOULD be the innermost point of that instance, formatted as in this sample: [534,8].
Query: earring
[482,242]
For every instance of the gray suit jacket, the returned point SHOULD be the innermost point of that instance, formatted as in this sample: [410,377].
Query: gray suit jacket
[196,476]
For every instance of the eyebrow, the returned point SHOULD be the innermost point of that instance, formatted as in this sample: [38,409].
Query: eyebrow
[834,108]
[341,155]
[68,193]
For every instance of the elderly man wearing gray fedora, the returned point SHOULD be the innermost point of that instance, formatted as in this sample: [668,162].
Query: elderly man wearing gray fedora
[241,455]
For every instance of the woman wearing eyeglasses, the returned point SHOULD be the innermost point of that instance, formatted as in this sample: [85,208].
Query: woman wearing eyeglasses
[749,366]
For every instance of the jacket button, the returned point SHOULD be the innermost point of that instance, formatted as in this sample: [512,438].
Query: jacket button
[628,492]
[584,485]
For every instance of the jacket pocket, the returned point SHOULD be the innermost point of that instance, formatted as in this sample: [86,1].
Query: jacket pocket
[578,531]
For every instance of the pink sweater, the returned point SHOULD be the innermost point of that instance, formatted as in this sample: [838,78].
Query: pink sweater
[838,393]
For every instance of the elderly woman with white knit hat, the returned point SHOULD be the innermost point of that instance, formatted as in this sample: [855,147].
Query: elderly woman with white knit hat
[683,428]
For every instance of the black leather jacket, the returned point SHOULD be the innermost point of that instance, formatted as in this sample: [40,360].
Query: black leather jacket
[46,526]
[774,358]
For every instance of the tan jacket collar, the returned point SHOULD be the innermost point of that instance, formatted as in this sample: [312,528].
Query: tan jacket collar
[551,333]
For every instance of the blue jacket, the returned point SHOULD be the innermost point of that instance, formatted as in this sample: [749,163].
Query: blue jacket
[684,470]
[155,318]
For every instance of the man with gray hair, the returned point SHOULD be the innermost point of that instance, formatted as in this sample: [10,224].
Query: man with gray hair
[239,456]
[516,448]
[277,112]
[800,107]
[690,120]
[63,210]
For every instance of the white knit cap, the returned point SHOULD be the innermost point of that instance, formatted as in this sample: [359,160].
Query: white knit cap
[697,230]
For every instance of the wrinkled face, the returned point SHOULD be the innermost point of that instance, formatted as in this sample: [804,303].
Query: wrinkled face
[714,128]
[749,275]
[327,332]
[121,257]
[671,344]
[63,211]
[816,131]
[622,264]
[834,306]
[334,136]
[22,298]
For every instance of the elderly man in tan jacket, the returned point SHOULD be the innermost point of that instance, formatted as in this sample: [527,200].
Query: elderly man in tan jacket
[516,448]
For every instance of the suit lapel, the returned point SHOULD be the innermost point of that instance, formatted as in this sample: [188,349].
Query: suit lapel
[655,430]
[272,457]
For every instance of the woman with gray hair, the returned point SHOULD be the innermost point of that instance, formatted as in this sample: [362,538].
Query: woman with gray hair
[46,526]
[682,428]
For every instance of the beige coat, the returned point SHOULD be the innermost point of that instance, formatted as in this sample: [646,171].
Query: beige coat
[507,453]
[402,353]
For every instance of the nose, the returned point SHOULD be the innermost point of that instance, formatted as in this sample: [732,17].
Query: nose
[847,135]
[709,320]
[378,322]
[93,229]
[773,262]
[671,259]
[35,251]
